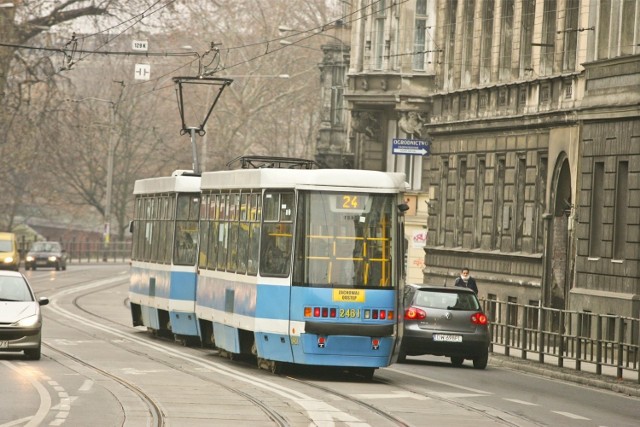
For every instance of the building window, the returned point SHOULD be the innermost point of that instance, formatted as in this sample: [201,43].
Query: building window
[451,42]
[526,35]
[479,202]
[498,202]
[548,37]
[503,97]
[464,101]
[545,93]
[380,14]
[570,35]
[487,41]
[568,89]
[467,46]
[630,18]
[483,99]
[506,42]
[411,166]
[597,211]
[512,311]
[337,95]
[461,195]
[604,27]
[620,226]
[443,196]
[519,202]
[420,37]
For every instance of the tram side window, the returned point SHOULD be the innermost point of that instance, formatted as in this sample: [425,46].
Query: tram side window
[255,216]
[167,228]
[186,237]
[148,229]
[213,224]
[204,231]
[277,233]
[232,244]
[135,242]
[223,232]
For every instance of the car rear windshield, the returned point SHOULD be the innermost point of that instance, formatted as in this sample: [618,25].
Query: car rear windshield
[447,300]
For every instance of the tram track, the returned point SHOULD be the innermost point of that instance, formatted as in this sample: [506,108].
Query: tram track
[154,409]
[272,413]
[157,415]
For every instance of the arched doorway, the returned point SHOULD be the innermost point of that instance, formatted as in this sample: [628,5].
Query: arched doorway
[559,244]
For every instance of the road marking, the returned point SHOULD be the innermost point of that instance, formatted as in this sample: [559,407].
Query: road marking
[521,402]
[45,397]
[393,395]
[572,416]
[475,392]
[86,385]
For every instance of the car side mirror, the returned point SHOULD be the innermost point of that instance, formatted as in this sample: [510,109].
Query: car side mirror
[43,301]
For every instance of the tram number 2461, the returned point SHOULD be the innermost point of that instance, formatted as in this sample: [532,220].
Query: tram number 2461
[350,312]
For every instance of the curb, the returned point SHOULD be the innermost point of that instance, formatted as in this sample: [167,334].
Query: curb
[621,386]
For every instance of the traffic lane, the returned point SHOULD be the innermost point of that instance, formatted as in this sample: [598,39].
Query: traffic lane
[299,402]
[23,392]
[43,393]
[540,399]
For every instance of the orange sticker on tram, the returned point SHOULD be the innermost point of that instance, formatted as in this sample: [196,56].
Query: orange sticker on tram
[348,295]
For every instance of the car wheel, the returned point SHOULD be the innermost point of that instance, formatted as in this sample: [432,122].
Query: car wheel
[402,356]
[457,361]
[57,266]
[33,353]
[64,267]
[480,362]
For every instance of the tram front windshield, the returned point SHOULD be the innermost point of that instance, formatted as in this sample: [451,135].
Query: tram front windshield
[344,240]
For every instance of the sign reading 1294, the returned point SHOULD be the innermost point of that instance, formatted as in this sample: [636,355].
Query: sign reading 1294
[141,45]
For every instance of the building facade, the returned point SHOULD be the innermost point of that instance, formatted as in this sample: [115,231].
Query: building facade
[533,180]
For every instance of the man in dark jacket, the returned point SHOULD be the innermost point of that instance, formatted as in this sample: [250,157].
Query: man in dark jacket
[466,281]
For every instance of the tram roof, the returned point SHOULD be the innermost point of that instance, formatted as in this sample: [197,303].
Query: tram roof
[304,178]
[168,184]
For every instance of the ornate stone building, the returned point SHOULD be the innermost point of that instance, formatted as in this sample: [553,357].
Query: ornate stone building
[533,181]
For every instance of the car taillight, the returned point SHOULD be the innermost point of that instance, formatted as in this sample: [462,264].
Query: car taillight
[479,319]
[413,313]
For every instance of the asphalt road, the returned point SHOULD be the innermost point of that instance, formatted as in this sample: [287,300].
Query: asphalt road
[98,370]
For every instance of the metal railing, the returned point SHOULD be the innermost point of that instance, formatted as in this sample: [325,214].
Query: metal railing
[91,251]
[600,343]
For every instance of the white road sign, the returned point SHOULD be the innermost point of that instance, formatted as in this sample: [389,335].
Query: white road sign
[142,72]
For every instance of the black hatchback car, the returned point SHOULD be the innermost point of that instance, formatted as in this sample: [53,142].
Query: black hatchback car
[445,322]
[46,255]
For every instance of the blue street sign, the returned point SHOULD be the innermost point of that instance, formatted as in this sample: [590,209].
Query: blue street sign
[411,147]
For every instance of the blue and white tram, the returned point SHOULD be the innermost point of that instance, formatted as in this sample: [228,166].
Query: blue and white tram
[164,255]
[302,266]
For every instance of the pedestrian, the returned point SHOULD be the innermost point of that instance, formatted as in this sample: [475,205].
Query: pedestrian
[466,281]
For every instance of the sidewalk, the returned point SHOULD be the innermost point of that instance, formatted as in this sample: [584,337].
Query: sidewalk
[550,369]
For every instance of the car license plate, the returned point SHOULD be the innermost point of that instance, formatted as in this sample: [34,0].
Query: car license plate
[447,338]
[4,344]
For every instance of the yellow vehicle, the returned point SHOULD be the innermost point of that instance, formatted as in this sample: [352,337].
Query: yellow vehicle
[9,255]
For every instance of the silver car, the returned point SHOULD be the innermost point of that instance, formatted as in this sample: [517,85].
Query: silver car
[445,322]
[20,316]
